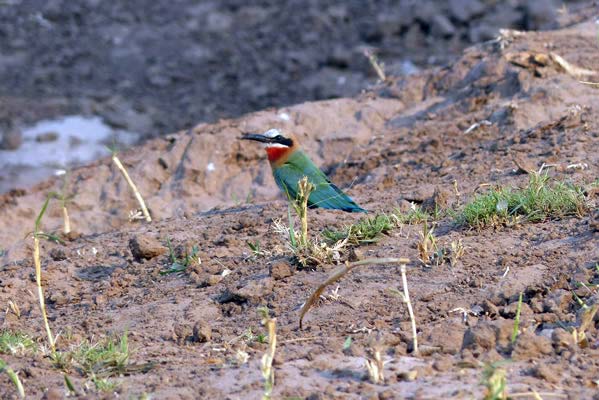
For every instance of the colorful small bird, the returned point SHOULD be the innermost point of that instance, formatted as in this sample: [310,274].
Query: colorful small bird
[290,164]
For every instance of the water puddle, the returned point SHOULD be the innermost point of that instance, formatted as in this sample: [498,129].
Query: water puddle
[52,145]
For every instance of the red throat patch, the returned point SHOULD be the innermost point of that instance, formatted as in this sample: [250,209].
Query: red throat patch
[274,153]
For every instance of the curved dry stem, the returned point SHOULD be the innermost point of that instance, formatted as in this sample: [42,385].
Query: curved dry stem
[140,199]
[338,274]
[40,290]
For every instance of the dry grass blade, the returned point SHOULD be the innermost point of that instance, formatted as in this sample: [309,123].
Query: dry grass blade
[338,274]
[572,69]
[38,272]
[267,370]
[406,296]
[375,365]
[140,199]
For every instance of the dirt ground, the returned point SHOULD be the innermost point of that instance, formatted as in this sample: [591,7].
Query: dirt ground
[401,142]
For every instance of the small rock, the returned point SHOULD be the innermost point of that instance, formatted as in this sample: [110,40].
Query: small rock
[448,336]
[256,289]
[511,310]
[481,335]
[437,201]
[558,301]
[11,140]
[53,394]
[280,269]
[213,280]
[58,254]
[523,164]
[489,308]
[46,137]
[443,364]
[202,332]
[145,247]
[181,332]
[562,340]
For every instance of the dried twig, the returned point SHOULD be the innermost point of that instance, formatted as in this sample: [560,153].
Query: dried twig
[38,272]
[140,199]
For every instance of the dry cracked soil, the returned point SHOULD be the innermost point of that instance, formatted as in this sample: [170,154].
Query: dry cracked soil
[437,137]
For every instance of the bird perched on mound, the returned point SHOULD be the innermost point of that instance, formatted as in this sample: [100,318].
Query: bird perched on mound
[290,164]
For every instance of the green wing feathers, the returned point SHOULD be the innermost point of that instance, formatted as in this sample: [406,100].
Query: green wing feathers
[325,194]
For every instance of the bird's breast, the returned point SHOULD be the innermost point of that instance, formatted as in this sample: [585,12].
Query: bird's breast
[276,153]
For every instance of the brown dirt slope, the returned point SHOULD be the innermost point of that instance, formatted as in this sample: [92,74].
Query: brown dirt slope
[397,144]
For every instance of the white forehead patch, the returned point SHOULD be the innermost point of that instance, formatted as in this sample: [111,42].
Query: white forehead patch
[271,133]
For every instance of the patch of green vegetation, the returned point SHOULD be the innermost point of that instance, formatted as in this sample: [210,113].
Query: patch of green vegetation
[255,248]
[538,201]
[16,343]
[180,264]
[416,215]
[367,230]
[97,361]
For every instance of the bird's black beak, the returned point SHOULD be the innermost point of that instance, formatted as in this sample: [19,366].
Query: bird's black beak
[257,137]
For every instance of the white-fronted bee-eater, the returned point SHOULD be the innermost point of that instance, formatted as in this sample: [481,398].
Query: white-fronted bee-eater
[290,164]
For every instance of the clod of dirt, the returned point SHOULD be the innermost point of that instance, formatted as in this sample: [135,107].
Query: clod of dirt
[557,301]
[58,254]
[438,201]
[508,290]
[256,289]
[511,310]
[145,247]
[523,164]
[529,345]
[482,335]
[280,269]
[489,308]
[202,332]
[562,340]
[53,394]
[181,333]
[448,336]
[487,335]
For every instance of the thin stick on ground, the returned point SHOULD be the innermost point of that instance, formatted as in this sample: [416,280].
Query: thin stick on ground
[38,272]
[140,199]
[406,299]
[64,198]
[338,274]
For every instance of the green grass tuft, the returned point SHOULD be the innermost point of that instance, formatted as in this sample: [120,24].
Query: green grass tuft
[538,201]
[177,264]
[97,361]
[416,215]
[367,230]
[16,343]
